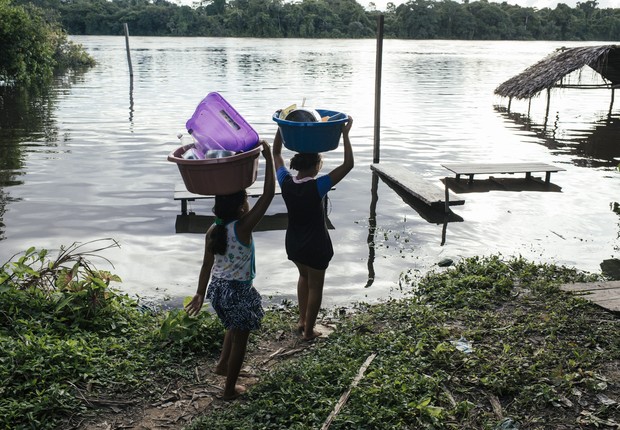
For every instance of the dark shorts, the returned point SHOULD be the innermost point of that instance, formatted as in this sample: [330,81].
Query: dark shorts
[316,261]
[237,304]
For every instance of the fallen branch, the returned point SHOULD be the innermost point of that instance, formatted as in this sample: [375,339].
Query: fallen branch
[345,396]
[110,402]
[282,352]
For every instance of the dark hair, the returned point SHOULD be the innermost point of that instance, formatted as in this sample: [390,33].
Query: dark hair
[303,161]
[226,208]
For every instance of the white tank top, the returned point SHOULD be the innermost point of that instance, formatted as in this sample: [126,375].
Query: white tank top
[237,264]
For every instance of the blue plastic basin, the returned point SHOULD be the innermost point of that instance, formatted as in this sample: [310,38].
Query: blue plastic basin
[311,137]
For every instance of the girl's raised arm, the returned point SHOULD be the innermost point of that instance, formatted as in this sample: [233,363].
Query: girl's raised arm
[248,221]
[341,171]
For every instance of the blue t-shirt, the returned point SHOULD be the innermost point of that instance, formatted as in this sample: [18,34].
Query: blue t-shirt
[323,183]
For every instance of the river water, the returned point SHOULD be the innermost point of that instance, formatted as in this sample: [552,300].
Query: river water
[88,160]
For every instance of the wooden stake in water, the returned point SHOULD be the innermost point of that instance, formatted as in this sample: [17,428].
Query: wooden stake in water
[127,46]
[378,66]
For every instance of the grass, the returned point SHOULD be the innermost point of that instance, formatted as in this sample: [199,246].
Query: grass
[490,343]
[534,351]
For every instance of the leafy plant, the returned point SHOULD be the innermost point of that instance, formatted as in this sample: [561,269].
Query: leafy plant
[202,333]
[66,336]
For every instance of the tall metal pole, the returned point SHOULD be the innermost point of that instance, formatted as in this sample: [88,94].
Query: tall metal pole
[375,156]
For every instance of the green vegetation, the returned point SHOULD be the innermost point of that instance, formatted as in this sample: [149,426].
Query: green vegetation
[414,19]
[68,339]
[488,341]
[33,47]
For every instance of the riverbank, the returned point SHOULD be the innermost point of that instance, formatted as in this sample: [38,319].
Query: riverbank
[488,343]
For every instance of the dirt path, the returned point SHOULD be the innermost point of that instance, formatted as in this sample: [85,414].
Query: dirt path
[186,401]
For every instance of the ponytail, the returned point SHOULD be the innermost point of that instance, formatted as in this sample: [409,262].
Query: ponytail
[226,209]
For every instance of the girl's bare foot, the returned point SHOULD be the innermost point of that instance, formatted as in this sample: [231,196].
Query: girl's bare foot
[220,370]
[239,390]
[313,336]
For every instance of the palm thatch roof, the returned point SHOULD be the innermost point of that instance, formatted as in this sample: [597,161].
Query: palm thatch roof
[549,72]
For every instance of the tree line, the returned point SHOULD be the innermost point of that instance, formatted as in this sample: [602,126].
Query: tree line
[415,19]
[33,46]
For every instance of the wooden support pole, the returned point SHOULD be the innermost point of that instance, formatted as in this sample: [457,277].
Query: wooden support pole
[548,103]
[611,105]
[127,46]
[447,196]
[378,66]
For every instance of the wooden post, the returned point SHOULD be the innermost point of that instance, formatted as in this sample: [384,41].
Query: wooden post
[548,103]
[378,66]
[611,105]
[509,103]
[127,46]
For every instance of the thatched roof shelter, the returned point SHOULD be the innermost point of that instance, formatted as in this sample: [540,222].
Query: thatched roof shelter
[549,72]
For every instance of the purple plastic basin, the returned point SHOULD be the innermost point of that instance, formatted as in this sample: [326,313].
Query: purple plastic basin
[217,125]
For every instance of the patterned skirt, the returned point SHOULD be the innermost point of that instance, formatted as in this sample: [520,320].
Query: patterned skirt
[237,304]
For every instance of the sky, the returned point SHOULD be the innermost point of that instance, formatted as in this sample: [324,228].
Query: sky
[540,4]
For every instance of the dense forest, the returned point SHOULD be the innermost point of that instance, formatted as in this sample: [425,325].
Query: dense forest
[415,19]
[34,47]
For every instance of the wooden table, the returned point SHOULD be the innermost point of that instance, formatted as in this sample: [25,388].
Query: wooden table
[471,169]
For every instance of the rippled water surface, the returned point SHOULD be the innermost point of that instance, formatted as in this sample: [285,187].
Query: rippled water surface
[88,160]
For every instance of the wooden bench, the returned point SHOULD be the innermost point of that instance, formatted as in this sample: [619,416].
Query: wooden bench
[254,190]
[471,169]
[181,193]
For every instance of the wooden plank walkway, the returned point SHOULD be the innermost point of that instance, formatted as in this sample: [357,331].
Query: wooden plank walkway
[254,190]
[604,294]
[471,169]
[422,189]
[193,223]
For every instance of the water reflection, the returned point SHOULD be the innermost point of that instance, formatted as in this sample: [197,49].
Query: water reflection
[597,147]
[25,117]
[131,100]
[372,228]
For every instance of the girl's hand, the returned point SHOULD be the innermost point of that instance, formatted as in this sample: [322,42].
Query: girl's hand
[266,149]
[347,125]
[193,307]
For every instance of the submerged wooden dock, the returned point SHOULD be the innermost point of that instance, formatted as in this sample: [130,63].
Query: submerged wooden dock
[603,294]
[431,194]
